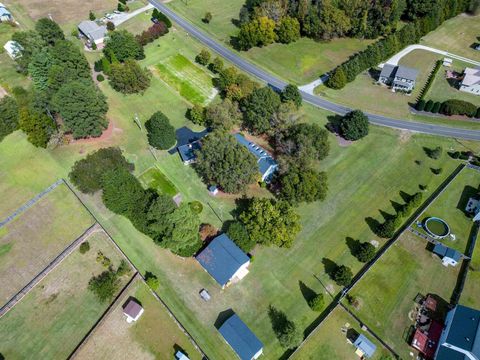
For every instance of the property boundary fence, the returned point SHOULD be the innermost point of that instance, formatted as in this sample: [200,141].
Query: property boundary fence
[30,202]
[52,265]
[169,311]
[382,251]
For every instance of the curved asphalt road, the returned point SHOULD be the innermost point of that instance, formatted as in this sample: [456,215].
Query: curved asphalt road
[312,99]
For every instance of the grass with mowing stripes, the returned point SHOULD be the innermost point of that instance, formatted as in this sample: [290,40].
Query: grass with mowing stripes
[155,334]
[54,316]
[387,292]
[155,179]
[37,236]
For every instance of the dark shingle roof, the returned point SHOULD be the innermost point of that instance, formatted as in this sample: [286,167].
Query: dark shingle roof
[242,340]
[388,71]
[445,251]
[445,353]
[132,308]
[187,152]
[222,258]
[367,347]
[406,73]
[463,330]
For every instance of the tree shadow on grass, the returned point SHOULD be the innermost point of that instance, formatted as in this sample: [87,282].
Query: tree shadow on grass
[330,266]
[373,224]
[353,245]
[333,124]
[405,196]
[308,293]
[467,193]
[278,319]
[177,348]
[396,205]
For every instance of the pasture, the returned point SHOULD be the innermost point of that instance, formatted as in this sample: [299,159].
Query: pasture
[154,335]
[33,239]
[330,339]
[54,316]
[386,294]
[192,82]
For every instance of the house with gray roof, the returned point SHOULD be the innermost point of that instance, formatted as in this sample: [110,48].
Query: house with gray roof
[400,78]
[224,261]
[267,165]
[471,81]
[448,255]
[460,339]
[93,32]
[241,339]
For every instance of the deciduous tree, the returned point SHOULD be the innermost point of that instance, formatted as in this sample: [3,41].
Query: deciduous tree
[161,134]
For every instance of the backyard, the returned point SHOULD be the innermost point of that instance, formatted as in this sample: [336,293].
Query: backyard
[450,206]
[55,315]
[154,335]
[33,239]
[329,341]
[386,294]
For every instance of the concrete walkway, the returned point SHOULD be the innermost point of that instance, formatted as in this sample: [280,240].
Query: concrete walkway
[121,18]
[396,58]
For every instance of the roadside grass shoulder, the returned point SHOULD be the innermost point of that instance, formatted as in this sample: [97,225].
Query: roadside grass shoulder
[386,294]
[37,236]
[155,334]
[55,315]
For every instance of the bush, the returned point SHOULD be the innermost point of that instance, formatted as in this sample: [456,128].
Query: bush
[196,114]
[436,107]
[86,174]
[152,33]
[435,153]
[239,235]
[91,16]
[437,171]
[343,275]
[161,17]
[196,207]
[429,106]
[84,247]
[9,118]
[100,78]
[207,18]
[129,77]
[98,65]
[110,26]
[105,285]
[161,135]
[458,107]
[365,252]
[121,46]
[152,281]
[477,115]
[317,303]
[203,58]
[216,65]
[420,105]
[124,268]
[354,125]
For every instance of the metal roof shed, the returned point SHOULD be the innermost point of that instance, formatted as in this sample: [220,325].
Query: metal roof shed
[242,340]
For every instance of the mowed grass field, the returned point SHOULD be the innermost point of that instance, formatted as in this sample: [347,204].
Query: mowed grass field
[300,62]
[442,90]
[450,206]
[330,339]
[50,321]
[192,82]
[154,335]
[457,36]
[34,238]
[387,292]
[471,289]
[153,178]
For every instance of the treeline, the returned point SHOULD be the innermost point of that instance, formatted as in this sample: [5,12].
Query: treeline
[387,229]
[62,87]
[424,19]
[157,216]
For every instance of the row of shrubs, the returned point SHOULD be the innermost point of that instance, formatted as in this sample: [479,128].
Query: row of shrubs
[387,229]
[430,79]
[466,155]
[449,107]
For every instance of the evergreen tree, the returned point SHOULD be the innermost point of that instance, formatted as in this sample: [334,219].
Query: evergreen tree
[161,134]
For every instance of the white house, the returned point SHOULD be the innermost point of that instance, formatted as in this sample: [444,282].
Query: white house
[13,49]
[132,310]
[471,81]
[400,78]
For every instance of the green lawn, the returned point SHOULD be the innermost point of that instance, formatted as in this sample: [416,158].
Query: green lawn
[192,82]
[9,77]
[155,179]
[54,316]
[386,294]
[33,239]
[330,339]
[450,206]
[442,90]
[300,62]
[471,289]
[456,36]
[155,334]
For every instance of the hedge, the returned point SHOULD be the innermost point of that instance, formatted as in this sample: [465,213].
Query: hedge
[430,79]
[458,107]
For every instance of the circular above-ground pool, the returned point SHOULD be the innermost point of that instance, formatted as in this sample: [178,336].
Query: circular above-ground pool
[436,227]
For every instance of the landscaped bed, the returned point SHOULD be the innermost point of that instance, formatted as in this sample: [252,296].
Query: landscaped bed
[33,239]
[330,339]
[386,294]
[154,335]
[54,316]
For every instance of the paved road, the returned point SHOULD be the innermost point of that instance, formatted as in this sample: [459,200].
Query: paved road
[312,99]
[396,58]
